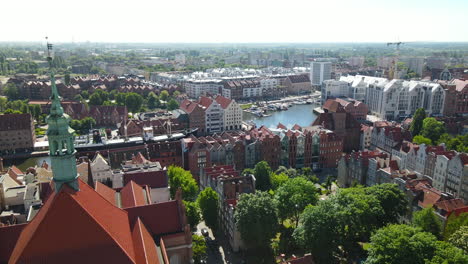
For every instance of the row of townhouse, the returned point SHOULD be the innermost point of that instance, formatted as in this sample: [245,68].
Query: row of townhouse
[249,87]
[213,115]
[388,99]
[372,168]
[314,147]
[41,89]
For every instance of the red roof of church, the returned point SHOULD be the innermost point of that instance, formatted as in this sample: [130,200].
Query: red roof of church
[132,195]
[145,251]
[159,218]
[81,227]
[8,237]
[106,192]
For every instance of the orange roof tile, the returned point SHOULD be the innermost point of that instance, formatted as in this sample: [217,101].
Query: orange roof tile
[131,195]
[80,224]
[145,251]
[106,192]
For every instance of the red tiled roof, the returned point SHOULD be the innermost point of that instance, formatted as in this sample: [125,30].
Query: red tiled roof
[281,126]
[307,259]
[223,101]
[15,122]
[450,205]
[154,179]
[139,159]
[430,196]
[80,224]
[132,195]
[106,192]
[145,251]
[205,101]
[8,237]
[464,158]
[296,127]
[159,218]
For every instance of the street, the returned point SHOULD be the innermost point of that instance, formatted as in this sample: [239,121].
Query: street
[218,249]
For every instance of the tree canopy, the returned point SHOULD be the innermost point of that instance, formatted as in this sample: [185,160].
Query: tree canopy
[417,123]
[460,238]
[262,173]
[180,178]
[406,244]
[294,196]
[422,140]
[193,213]
[172,104]
[428,221]
[133,101]
[208,202]
[256,219]
[432,129]
[199,249]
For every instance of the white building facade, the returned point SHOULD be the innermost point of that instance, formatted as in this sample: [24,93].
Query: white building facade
[319,72]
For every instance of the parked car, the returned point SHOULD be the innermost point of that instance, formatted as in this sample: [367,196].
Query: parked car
[205,232]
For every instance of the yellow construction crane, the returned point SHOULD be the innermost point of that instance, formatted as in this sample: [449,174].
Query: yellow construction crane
[394,69]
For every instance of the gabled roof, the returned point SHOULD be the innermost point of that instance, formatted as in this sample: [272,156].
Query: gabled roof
[106,192]
[145,250]
[132,195]
[77,226]
[223,101]
[450,205]
[205,101]
[8,237]
[159,218]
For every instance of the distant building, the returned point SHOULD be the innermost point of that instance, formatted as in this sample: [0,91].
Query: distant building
[197,88]
[319,72]
[296,84]
[456,93]
[16,133]
[333,89]
[357,109]
[343,124]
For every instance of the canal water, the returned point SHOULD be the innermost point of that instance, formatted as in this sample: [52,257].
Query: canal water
[302,115]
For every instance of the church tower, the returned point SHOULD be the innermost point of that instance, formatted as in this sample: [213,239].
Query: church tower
[60,136]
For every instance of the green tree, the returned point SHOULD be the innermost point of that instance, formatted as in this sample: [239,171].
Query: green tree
[256,219]
[11,91]
[175,94]
[133,101]
[455,222]
[3,103]
[208,202]
[85,94]
[95,99]
[75,125]
[460,238]
[278,179]
[172,105]
[417,123]
[432,129]
[87,123]
[153,101]
[293,197]
[78,98]
[193,213]
[422,140]
[262,173]
[120,99]
[447,253]
[401,244]
[428,221]
[392,200]
[248,171]
[199,249]
[180,178]
[318,231]
[164,95]
[67,78]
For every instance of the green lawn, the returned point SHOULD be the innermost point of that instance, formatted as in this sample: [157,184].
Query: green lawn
[246,106]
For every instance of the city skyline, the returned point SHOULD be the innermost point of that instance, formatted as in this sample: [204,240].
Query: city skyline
[209,21]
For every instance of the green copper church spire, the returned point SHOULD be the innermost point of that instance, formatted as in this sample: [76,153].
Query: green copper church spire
[60,135]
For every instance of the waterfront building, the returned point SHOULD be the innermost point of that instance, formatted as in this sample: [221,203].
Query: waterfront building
[394,99]
[296,84]
[196,88]
[214,115]
[232,113]
[196,114]
[334,89]
[16,133]
[319,72]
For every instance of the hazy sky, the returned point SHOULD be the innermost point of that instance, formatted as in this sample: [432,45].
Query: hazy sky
[234,20]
